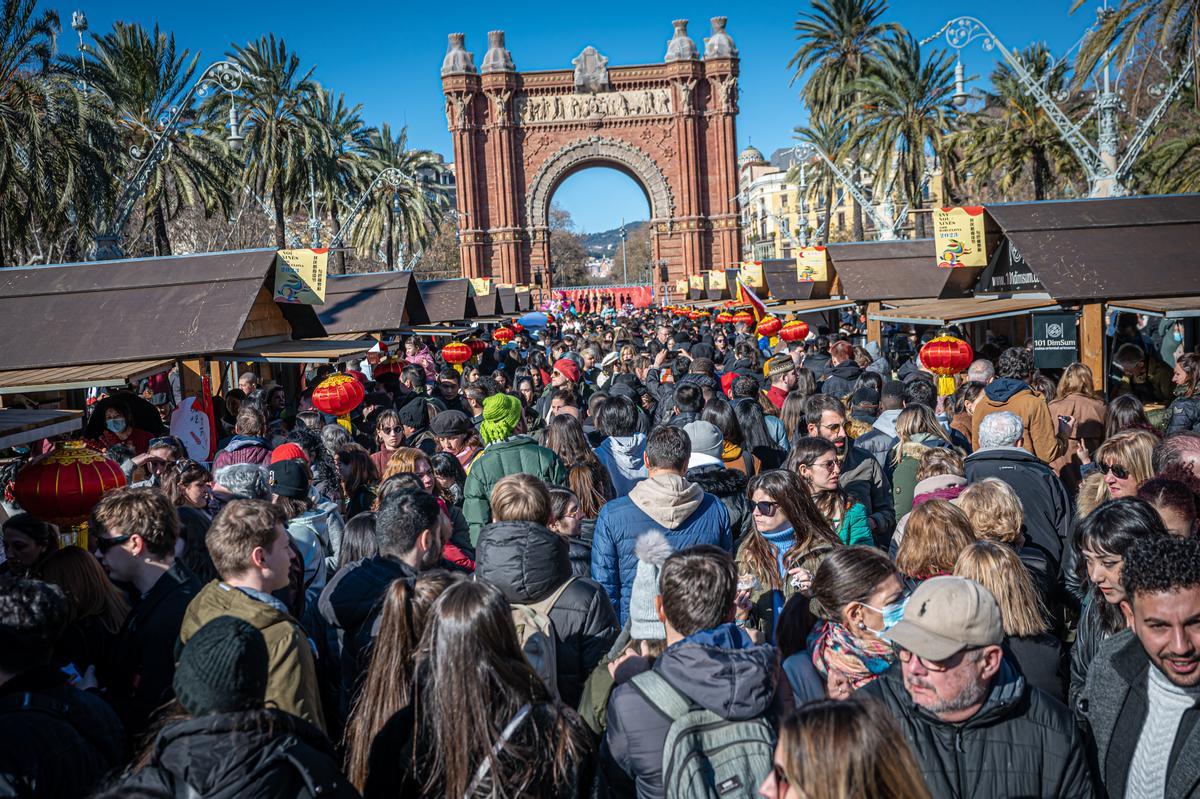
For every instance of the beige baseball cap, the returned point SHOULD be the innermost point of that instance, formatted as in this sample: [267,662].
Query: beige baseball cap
[946,615]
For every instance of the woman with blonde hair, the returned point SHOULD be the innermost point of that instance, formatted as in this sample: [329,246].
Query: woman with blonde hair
[936,533]
[873,757]
[1125,460]
[996,514]
[414,462]
[1036,651]
[917,432]
[1076,398]
[792,415]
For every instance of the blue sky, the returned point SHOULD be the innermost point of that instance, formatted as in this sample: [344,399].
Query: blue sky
[386,55]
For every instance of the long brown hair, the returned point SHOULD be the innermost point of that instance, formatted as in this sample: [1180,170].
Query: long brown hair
[998,569]
[89,591]
[180,474]
[388,685]
[1189,362]
[874,759]
[586,476]
[833,503]
[469,650]
[1076,379]
[809,527]
[936,533]
[362,470]
[792,415]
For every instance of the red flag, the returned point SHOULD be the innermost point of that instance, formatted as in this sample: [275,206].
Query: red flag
[747,295]
[205,403]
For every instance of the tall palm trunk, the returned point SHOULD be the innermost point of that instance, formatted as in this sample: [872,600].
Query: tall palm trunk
[391,239]
[915,203]
[859,229]
[280,228]
[162,240]
[828,209]
[1041,174]
[339,259]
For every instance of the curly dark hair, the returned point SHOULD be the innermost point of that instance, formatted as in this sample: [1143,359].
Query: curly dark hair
[1016,363]
[1160,564]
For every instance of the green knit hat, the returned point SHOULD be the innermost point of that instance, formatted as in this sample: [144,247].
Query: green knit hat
[501,412]
[223,668]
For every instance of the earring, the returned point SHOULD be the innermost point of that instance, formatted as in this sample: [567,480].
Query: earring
[862,626]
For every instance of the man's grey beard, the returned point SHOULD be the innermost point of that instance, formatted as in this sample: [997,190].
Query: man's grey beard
[971,695]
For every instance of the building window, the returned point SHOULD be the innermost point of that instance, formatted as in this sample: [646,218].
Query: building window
[842,220]
[787,252]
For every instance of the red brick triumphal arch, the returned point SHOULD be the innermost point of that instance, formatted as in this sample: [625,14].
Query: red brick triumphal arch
[518,135]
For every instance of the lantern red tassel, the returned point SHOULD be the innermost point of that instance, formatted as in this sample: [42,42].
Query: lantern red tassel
[946,356]
[63,487]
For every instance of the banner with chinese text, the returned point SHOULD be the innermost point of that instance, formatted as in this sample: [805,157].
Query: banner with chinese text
[812,265]
[959,236]
[300,276]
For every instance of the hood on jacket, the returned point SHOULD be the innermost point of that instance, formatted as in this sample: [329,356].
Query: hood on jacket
[938,483]
[1002,389]
[524,560]
[241,442]
[1003,454]
[627,453]
[219,755]
[717,480]
[217,599]
[722,670]
[818,360]
[353,594]
[668,499]
[847,370]
[886,422]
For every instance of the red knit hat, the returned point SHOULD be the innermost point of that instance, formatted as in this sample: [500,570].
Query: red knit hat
[287,452]
[568,368]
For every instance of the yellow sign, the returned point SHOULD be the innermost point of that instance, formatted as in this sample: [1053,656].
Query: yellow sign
[812,265]
[300,276]
[716,279]
[959,236]
[681,286]
[482,286]
[752,274]
[696,282]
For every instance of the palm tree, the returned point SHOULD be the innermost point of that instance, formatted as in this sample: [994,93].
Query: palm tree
[407,215]
[839,39]
[907,112]
[829,135]
[54,141]
[277,126]
[1171,25]
[1011,142]
[338,148]
[146,79]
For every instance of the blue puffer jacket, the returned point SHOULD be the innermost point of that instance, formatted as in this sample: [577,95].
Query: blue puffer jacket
[669,504]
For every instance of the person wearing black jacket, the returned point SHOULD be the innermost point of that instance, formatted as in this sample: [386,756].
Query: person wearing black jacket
[55,740]
[528,563]
[411,530]
[843,373]
[227,744]
[135,531]
[976,726]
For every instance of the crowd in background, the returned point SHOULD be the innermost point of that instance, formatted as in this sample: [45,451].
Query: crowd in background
[632,554]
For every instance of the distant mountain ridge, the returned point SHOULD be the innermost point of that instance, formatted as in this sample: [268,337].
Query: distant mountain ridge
[608,242]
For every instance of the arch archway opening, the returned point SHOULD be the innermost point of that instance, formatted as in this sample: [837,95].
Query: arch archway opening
[589,205]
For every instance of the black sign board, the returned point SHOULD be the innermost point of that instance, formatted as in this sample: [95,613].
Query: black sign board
[1055,340]
[1008,273]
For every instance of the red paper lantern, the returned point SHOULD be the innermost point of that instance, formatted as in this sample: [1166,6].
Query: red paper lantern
[456,353]
[503,335]
[63,487]
[391,366]
[743,317]
[769,326]
[693,315]
[338,395]
[477,346]
[946,356]
[796,330]
[724,318]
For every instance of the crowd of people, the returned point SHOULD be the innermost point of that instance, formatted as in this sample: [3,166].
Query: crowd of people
[630,555]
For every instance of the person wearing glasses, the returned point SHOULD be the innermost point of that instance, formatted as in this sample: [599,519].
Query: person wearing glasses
[135,530]
[1125,461]
[976,726]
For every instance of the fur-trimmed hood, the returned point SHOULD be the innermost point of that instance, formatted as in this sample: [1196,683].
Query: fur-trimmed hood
[718,480]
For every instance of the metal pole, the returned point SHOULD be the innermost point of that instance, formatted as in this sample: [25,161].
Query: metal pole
[624,262]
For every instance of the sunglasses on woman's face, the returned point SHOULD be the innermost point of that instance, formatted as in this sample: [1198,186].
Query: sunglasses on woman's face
[1118,471]
[765,508]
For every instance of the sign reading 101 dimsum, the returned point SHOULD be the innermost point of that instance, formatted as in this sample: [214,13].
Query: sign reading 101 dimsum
[1055,340]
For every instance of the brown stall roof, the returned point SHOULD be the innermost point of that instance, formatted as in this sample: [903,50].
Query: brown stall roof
[808,306]
[1170,307]
[64,378]
[1131,247]
[371,302]
[451,300]
[901,269]
[305,351]
[21,426]
[508,299]
[964,309]
[783,285]
[524,299]
[143,308]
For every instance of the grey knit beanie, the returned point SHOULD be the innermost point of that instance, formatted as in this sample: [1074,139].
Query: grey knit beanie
[651,550]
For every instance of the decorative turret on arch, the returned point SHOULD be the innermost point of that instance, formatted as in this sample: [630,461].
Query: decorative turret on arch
[518,135]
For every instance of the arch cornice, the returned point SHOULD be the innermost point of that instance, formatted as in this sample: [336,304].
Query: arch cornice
[600,150]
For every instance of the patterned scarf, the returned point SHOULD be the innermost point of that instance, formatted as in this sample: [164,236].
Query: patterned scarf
[860,660]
